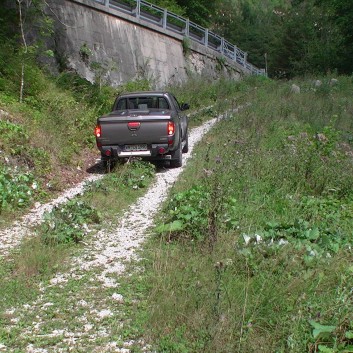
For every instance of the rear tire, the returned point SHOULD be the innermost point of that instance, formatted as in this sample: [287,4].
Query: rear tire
[177,157]
[186,146]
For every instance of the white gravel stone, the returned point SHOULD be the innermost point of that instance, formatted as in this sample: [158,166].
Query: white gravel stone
[118,297]
[104,313]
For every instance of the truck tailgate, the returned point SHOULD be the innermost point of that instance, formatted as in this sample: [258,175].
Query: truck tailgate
[147,129]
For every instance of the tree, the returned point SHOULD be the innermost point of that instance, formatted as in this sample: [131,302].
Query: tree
[33,26]
[255,29]
[341,15]
[199,11]
[311,39]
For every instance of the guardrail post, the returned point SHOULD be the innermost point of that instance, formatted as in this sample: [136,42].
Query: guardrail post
[187,27]
[222,45]
[138,8]
[245,58]
[165,17]
[235,53]
[206,37]
[106,3]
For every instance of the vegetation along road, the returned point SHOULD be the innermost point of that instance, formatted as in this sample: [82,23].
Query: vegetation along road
[252,249]
[83,322]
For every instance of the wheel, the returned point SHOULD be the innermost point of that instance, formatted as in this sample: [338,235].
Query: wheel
[186,146]
[177,157]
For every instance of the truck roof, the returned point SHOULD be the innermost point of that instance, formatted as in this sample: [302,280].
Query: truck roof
[144,94]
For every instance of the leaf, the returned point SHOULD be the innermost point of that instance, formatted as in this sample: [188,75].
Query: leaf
[170,227]
[325,349]
[321,329]
[349,335]
[49,53]
[272,225]
[312,234]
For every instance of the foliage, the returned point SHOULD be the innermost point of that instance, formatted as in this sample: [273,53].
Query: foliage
[188,213]
[312,43]
[99,97]
[136,175]
[186,46]
[141,84]
[295,37]
[68,223]
[171,5]
[332,339]
[17,189]
[85,53]
[198,11]
[277,275]
[13,135]
[191,213]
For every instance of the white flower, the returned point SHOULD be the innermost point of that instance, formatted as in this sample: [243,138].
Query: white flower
[247,239]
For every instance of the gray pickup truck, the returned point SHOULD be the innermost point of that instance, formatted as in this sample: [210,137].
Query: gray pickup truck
[150,125]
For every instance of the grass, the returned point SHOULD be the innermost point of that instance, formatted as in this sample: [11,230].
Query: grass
[269,268]
[49,135]
[25,270]
[61,309]
[252,252]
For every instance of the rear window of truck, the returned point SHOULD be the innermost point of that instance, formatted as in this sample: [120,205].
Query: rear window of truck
[142,103]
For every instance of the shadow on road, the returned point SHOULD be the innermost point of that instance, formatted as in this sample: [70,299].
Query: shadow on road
[97,168]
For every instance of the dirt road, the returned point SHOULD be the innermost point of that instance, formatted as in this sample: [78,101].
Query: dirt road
[82,310]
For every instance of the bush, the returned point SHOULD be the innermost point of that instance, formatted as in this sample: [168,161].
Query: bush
[17,189]
[68,223]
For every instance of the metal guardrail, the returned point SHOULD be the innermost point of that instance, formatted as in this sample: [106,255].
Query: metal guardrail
[167,20]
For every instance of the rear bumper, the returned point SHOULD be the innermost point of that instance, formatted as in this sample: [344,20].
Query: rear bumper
[152,152]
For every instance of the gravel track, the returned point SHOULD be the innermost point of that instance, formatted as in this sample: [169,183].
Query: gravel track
[12,236]
[104,256]
[121,244]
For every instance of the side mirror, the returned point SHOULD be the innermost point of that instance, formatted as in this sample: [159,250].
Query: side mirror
[184,106]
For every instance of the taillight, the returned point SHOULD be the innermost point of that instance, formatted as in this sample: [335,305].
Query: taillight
[171,128]
[133,125]
[98,131]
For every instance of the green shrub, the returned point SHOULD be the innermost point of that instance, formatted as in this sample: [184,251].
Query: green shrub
[187,213]
[12,134]
[17,189]
[68,223]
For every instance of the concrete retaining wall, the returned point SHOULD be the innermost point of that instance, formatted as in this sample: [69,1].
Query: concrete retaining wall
[116,48]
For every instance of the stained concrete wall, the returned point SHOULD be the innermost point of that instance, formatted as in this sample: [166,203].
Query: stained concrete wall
[116,48]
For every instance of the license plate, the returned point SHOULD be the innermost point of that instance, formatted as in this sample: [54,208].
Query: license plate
[132,148]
